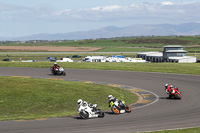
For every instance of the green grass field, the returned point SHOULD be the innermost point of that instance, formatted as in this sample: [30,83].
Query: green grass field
[130,49]
[188,130]
[179,68]
[28,98]
[121,44]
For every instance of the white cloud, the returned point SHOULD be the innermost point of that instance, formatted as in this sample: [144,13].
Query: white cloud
[165,11]
[6,7]
[106,8]
[11,12]
[143,12]
[59,13]
[167,3]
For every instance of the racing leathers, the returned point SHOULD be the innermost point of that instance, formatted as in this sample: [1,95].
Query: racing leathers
[170,89]
[112,100]
[93,106]
[55,68]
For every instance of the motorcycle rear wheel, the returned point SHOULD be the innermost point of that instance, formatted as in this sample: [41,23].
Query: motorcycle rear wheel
[170,96]
[115,110]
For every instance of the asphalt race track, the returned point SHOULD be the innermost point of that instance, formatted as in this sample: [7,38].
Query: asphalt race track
[163,114]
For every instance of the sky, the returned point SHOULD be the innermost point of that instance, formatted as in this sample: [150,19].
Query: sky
[28,17]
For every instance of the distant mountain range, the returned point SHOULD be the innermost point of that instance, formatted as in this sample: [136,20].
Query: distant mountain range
[112,31]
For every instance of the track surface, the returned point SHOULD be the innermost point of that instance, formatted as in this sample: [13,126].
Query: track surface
[164,114]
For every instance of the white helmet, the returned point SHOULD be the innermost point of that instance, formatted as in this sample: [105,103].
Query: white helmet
[55,63]
[166,85]
[110,97]
[171,86]
[80,101]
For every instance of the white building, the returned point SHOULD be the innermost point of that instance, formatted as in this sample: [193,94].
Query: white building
[151,56]
[185,59]
[171,53]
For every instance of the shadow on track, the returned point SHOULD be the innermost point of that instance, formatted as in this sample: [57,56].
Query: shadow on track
[77,117]
[167,98]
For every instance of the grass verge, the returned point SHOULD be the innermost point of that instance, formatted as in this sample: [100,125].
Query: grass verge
[30,98]
[188,130]
[130,49]
[180,68]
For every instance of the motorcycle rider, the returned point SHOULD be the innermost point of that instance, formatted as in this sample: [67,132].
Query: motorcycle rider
[84,103]
[111,99]
[117,106]
[170,88]
[55,67]
[167,88]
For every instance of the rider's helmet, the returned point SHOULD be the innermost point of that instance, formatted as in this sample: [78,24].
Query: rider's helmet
[80,101]
[110,97]
[166,85]
[85,103]
[171,86]
[55,63]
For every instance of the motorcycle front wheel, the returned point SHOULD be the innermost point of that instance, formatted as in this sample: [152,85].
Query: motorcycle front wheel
[177,96]
[64,73]
[128,109]
[101,114]
[84,115]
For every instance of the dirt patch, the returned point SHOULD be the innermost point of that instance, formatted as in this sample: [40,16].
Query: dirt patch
[49,48]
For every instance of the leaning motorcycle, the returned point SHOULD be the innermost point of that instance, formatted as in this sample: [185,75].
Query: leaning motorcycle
[87,111]
[119,107]
[58,71]
[175,94]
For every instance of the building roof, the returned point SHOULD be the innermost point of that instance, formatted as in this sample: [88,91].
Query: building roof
[176,51]
[173,46]
[145,53]
[184,57]
[157,54]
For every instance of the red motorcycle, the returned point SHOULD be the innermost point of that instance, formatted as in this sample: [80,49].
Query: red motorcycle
[173,92]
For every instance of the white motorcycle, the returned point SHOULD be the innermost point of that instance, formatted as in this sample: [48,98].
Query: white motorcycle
[59,71]
[87,111]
